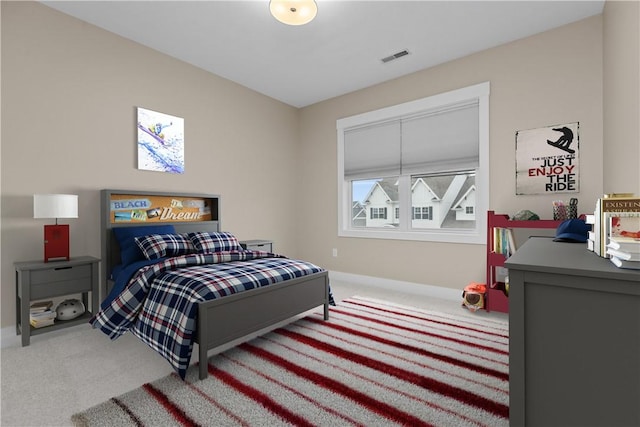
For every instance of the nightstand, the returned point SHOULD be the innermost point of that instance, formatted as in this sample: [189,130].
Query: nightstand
[257,245]
[38,280]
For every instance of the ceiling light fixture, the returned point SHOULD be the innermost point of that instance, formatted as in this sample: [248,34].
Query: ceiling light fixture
[293,12]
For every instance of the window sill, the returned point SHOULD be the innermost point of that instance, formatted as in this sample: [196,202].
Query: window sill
[445,236]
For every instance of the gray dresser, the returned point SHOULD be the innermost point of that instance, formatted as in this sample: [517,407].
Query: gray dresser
[574,327]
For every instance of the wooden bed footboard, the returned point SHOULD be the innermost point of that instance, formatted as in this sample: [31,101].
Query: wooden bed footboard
[223,320]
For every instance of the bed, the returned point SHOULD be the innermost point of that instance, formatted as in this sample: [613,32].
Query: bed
[226,313]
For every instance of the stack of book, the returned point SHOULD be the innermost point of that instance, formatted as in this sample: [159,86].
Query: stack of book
[41,315]
[608,207]
[623,247]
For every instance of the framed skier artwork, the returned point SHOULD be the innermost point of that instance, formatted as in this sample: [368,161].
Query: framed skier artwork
[547,160]
[160,142]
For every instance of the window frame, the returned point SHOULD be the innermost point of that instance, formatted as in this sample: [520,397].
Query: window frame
[479,92]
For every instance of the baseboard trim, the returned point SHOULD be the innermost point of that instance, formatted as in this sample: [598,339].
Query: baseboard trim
[8,337]
[397,285]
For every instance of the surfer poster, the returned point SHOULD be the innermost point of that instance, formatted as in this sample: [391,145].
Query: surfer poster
[547,160]
[160,142]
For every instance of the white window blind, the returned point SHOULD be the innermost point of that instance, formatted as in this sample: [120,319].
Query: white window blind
[372,151]
[445,139]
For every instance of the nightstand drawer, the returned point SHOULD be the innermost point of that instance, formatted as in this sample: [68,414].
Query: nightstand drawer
[47,290]
[257,245]
[265,247]
[60,281]
[60,274]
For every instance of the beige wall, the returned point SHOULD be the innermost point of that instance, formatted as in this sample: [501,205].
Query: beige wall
[550,78]
[69,92]
[622,96]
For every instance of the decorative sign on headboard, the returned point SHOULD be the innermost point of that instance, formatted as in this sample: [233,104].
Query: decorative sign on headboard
[136,208]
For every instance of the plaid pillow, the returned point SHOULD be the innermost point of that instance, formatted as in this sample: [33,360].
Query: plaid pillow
[156,246]
[129,250]
[207,242]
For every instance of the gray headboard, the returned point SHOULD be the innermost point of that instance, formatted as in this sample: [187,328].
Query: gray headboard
[141,208]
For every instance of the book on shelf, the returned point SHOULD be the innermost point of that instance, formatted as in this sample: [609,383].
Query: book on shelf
[41,323]
[40,306]
[42,318]
[626,244]
[606,207]
[503,241]
[635,265]
[43,314]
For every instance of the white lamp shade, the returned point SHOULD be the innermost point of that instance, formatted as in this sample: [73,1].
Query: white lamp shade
[293,12]
[55,206]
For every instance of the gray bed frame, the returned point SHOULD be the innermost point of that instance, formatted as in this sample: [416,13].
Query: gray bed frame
[241,314]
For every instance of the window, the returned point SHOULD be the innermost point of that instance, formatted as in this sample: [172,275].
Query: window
[426,160]
[378,213]
[424,212]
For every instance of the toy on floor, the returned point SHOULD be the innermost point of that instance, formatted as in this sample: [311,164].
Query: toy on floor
[473,296]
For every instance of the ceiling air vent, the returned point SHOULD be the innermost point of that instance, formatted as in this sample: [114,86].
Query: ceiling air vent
[395,56]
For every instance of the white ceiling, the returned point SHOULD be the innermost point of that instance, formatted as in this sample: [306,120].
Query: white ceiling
[337,53]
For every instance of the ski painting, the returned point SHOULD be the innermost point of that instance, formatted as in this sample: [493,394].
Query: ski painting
[160,142]
[547,160]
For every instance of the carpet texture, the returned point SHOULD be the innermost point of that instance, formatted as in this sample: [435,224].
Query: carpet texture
[373,363]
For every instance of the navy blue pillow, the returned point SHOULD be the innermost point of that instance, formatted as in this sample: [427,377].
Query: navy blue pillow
[129,250]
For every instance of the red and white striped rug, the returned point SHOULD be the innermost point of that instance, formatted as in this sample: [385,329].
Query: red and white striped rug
[373,363]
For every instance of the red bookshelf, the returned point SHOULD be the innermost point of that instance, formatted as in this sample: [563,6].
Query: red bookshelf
[496,298]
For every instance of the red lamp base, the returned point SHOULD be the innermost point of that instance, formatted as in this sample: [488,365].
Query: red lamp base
[56,242]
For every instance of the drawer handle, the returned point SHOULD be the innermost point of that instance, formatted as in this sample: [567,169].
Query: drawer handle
[63,268]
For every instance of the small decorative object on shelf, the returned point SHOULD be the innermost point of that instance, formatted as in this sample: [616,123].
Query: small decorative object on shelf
[69,309]
[562,211]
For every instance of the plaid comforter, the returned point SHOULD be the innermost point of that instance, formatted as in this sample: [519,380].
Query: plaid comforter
[160,303]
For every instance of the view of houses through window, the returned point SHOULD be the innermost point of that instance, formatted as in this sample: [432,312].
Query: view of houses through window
[442,201]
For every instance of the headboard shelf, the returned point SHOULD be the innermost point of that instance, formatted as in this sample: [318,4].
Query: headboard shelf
[187,212]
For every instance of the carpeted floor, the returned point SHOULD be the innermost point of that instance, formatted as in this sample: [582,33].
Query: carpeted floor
[372,363]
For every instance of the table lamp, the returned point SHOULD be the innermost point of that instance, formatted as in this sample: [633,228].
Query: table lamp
[56,237]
